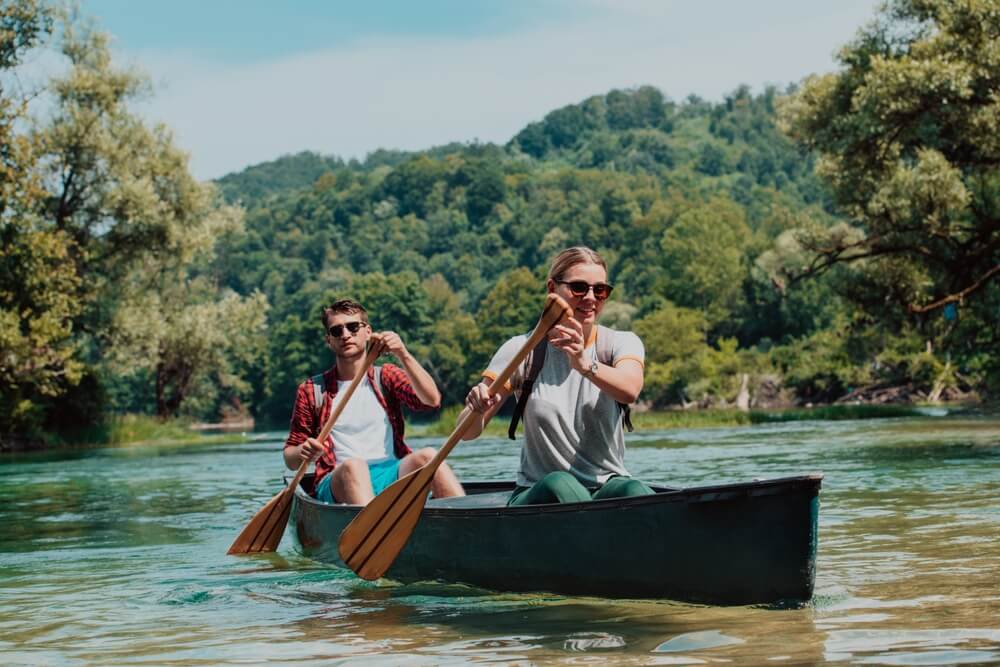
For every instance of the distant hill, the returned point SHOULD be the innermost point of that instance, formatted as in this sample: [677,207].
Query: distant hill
[288,172]
[681,197]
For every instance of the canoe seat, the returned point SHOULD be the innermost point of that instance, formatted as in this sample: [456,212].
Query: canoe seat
[491,499]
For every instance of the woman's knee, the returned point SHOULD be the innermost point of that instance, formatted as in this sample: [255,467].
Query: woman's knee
[623,487]
[564,487]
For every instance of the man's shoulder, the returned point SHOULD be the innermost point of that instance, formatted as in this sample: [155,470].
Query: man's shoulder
[322,376]
[392,374]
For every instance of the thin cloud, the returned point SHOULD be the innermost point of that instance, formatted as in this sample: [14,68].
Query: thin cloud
[413,93]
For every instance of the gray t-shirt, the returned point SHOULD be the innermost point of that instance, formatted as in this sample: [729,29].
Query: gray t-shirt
[570,424]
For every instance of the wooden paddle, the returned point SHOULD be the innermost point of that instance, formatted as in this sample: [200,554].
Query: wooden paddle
[267,526]
[371,542]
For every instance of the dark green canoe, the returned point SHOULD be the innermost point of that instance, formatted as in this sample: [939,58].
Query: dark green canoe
[730,544]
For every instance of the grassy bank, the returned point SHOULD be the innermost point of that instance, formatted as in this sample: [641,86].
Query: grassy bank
[654,420]
[132,430]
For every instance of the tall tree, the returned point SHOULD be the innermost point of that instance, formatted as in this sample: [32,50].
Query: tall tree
[38,348]
[908,133]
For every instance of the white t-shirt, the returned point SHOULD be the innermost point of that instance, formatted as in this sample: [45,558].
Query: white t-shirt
[362,431]
[569,423]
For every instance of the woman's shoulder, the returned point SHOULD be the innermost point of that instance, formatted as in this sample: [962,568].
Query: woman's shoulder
[512,345]
[617,336]
[614,343]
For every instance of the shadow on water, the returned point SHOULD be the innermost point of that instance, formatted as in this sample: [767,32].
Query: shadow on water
[449,622]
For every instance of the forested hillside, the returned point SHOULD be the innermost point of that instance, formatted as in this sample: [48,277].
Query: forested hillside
[837,241]
[687,200]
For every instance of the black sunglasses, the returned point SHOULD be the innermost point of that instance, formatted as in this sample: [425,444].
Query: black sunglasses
[580,288]
[337,329]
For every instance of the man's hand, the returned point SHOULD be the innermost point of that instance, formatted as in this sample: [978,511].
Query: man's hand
[310,450]
[390,342]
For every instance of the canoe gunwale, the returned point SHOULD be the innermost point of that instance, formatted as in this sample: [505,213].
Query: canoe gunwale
[663,495]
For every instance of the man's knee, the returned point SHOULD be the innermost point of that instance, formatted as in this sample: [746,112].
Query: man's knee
[350,470]
[423,456]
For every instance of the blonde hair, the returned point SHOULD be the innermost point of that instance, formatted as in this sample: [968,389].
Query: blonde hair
[570,257]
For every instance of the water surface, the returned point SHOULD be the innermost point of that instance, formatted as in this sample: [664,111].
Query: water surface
[117,556]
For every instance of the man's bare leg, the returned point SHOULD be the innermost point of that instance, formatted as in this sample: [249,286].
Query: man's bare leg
[352,482]
[444,485]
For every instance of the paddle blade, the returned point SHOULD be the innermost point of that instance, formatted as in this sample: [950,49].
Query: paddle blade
[266,528]
[373,539]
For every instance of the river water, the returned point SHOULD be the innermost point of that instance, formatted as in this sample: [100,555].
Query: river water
[118,556]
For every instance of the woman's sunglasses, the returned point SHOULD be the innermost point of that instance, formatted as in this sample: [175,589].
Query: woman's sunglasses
[338,329]
[580,288]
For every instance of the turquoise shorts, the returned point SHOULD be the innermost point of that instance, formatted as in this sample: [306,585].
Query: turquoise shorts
[383,473]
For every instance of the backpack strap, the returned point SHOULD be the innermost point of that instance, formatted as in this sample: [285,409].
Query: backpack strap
[535,367]
[605,355]
[319,393]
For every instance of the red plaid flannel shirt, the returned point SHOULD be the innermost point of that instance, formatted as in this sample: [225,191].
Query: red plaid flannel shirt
[396,392]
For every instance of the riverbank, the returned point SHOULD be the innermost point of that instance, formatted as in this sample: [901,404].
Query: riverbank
[655,420]
[139,430]
[123,431]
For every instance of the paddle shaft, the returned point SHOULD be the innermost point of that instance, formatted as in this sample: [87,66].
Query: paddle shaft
[373,539]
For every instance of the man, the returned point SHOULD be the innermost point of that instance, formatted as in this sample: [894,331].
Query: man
[365,451]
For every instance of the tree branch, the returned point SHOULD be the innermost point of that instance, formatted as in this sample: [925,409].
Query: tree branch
[958,296]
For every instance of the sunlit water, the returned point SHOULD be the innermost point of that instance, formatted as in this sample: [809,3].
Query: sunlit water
[117,556]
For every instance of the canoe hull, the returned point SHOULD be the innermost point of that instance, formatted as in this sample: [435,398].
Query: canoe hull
[731,544]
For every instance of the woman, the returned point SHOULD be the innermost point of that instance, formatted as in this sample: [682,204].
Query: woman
[574,442]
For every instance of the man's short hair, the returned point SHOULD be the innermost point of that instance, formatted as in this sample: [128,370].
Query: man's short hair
[346,307]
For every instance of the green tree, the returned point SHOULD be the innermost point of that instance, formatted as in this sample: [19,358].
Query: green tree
[908,133]
[703,255]
[195,345]
[674,338]
[512,307]
[38,347]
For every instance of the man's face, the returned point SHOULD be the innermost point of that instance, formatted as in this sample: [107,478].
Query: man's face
[342,340]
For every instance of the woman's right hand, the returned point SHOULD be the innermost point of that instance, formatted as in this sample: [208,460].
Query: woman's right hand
[310,450]
[479,399]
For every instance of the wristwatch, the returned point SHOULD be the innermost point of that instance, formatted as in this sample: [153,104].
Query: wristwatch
[592,371]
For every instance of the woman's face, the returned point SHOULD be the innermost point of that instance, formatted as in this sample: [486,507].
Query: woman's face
[586,307]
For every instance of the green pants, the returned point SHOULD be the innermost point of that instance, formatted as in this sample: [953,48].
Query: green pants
[563,487]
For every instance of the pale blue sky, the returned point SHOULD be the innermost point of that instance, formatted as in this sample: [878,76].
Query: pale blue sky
[242,82]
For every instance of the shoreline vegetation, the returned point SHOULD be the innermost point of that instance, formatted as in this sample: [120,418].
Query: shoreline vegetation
[135,430]
[655,420]
[131,430]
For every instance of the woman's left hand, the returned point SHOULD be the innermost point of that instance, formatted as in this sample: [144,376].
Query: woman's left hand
[567,336]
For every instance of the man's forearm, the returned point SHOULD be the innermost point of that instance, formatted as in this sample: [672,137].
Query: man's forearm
[423,384]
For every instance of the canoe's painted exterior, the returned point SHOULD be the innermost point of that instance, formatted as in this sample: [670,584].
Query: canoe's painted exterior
[730,544]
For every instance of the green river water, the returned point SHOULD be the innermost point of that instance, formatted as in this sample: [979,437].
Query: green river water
[118,556]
